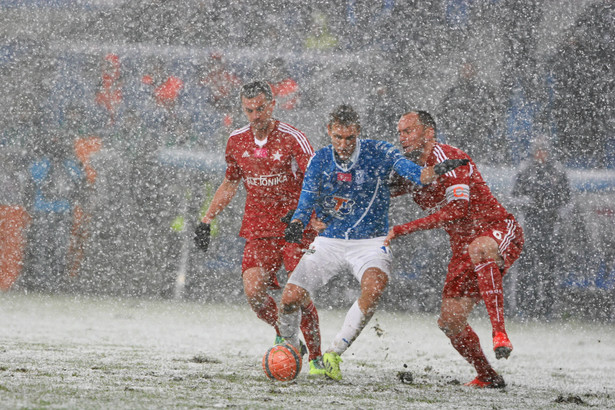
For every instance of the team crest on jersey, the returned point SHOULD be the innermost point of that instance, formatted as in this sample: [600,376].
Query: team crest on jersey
[360,176]
[338,207]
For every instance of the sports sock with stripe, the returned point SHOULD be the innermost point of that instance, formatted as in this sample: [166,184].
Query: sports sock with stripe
[489,279]
[310,327]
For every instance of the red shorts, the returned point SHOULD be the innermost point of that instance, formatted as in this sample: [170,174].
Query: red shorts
[270,253]
[461,278]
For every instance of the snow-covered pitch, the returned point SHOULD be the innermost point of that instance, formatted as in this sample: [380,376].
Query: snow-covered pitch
[83,352]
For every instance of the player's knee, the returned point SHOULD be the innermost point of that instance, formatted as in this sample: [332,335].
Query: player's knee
[292,298]
[443,327]
[483,248]
[451,326]
[374,281]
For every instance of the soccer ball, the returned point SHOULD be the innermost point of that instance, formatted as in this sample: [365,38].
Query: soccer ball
[282,362]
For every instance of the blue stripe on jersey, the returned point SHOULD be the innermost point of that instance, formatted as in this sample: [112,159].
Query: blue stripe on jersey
[353,201]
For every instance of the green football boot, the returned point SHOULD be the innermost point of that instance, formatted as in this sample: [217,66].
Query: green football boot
[332,362]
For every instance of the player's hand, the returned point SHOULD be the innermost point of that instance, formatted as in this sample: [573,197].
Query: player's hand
[294,232]
[288,217]
[317,224]
[448,165]
[201,236]
[390,236]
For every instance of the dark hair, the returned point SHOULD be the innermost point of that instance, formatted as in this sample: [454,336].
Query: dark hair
[255,88]
[344,115]
[424,118]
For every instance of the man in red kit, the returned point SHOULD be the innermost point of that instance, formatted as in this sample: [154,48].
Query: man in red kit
[271,158]
[484,237]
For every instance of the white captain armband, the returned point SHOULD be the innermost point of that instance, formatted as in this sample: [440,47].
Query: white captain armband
[455,192]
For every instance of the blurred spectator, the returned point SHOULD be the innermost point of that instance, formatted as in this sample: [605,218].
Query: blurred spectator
[58,181]
[14,221]
[20,131]
[165,91]
[109,94]
[584,90]
[471,118]
[285,88]
[165,88]
[543,190]
[383,112]
[22,121]
[519,19]
[85,144]
[319,36]
[223,86]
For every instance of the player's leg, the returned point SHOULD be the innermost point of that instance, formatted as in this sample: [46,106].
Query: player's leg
[260,258]
[309,325]
[486,260]
[289,321]
[255,286]
[373,284]
[453,321]
[491,255]
[314,270]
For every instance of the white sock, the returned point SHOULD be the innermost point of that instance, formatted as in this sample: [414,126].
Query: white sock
[354,323]
[288,324]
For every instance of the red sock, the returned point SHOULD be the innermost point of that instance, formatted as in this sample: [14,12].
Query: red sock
[490,285]
[467,344]
[310,327]
[269,313]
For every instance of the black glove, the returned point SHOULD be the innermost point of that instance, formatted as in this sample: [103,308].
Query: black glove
[449,165]
[294,232]
[288,217]
[201,236]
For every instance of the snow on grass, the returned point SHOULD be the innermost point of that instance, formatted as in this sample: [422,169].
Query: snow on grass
[101,353]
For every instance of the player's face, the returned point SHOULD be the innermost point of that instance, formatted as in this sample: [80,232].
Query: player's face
[344,139]
[413,135]
[259,111]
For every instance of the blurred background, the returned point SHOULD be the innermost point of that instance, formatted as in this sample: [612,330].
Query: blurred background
[115,113]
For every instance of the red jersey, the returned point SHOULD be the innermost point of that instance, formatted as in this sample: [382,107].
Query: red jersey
[459,201]
[272,175]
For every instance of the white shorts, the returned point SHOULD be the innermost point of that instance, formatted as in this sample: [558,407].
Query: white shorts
[328,257]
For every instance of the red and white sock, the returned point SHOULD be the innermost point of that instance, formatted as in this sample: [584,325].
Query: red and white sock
[490,284]
[268,313]
[310,327]
[467,344]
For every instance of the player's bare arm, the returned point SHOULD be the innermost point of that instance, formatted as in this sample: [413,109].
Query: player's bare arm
[452,211]
[226,191]
[223,196]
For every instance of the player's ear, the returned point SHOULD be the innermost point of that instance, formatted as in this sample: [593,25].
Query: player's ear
[431,133]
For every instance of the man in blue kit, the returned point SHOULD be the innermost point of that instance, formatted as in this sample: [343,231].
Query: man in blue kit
[346,186]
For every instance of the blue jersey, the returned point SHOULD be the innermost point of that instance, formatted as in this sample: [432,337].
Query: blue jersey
[353,198]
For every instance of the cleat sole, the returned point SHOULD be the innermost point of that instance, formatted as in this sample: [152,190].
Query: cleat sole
[502,352]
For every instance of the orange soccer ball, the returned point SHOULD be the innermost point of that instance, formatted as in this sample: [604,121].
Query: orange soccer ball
[282,362]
